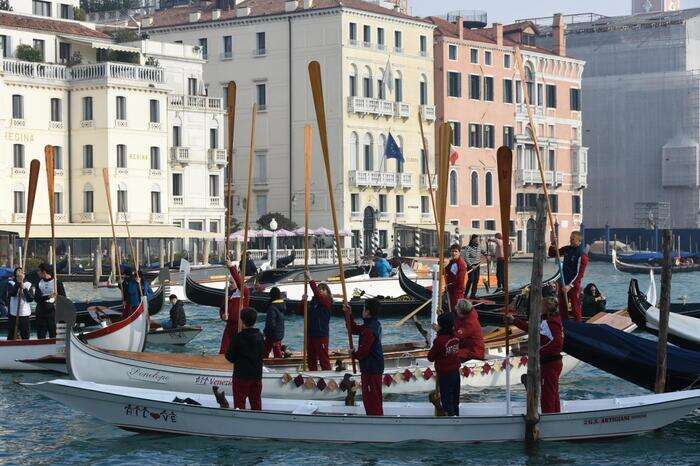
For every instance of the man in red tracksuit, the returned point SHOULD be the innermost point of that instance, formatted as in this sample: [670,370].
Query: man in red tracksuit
[319,315]
[574,258]
[445,354]
[455,276]
[370,355]
[234,297]
[246,354]
[468,331]
[551,346]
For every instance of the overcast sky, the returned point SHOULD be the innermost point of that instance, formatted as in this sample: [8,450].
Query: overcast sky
[505,11]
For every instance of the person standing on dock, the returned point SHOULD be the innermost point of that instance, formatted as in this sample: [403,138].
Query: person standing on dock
[455,276]
[246,354]
[274,324]
[370,355]
[499,255]
[45,295]
[574,258]
[472,255]
[319,314]
[20,294]
[445,354]
[468,331]
[234,296]
[551,346]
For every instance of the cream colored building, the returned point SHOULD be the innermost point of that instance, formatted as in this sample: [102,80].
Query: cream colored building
[266,47]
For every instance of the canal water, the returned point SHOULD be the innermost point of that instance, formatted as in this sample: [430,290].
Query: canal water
[35,430]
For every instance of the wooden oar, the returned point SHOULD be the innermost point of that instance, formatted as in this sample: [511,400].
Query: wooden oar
[50,180]
[410,315]
[443,160]
[231,101]
[108,193]
[244,259]
[308,153]
[34,167]
[317,89]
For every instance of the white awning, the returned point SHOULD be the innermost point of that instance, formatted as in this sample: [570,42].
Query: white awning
[95,230]
[102,45]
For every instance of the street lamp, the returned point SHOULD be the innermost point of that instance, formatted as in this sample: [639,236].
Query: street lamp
[273,253]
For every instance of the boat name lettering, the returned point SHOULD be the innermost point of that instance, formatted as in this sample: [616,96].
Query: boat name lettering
[148,376]
[612,419]
[141,411]
[206,380]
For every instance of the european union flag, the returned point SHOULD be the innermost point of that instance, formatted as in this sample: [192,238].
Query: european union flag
[393,151]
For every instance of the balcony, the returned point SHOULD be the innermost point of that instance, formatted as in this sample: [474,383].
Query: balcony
[121,123]
[180,155]
[122,171]
[19,171]
[86,217]
[157,217]
[424,181]
[217,157]
[428,112]
[19,217]
[355,215]
[123,217]
[56,125]
[259,52]
[383,216]
[178,201]
[426,216]
[87,171]
[60,218]
[579,180]
[369,106]
[402,110]
[87,124]
[579,161]
[400,217]
[195,102]
[87,72]
[405,180]
[154,126]
[525,209]
[372,179]
[18,122]
[155,173]
[59,172]
[537,111]
[214,201]
[525,177]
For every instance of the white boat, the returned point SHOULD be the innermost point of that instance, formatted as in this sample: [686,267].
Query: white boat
[141,410]
[195,373]
[49,354]
[173,336]
[356,286]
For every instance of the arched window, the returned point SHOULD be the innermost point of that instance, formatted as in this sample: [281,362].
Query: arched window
[453,188]
[475,188]
[399,163]
[423,90]
[489,189]
[353,81]
[367,84]
[381,85]
[368,152]
[354,151]
[398,86]
[530,82]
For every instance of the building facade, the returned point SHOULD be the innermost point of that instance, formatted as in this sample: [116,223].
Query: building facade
[378,76]
[480,92]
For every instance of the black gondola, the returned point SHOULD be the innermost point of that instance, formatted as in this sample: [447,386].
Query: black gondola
[644,269]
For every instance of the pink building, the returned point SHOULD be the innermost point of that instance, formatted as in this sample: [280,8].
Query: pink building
[478,89]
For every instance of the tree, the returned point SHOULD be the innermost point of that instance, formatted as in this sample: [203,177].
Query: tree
[79,14]
[28,53]
[125,35]
[5,5]
[283,223]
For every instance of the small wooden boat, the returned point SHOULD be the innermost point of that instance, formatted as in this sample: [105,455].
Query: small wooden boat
[683,330]
[141,410]
[173,336]
[644,269]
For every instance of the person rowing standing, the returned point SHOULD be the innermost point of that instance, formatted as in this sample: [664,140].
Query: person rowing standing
[574,258]
[274,324]
[472,255]
[445,354]
[319,315]
[231,315]
[20,294]
[45,295]
[455,276]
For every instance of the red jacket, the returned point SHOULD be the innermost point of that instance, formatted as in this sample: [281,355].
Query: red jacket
[551,337]
[445,353]
[235,296]
[455,277]
[471,337]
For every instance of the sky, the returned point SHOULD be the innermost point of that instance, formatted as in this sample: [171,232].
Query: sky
[504,11]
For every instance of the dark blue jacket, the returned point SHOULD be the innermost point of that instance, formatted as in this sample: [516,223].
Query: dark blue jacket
[319,318]
[369,351]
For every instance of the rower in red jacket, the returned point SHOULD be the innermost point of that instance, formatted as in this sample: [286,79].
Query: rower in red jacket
[574,258]
[551,346]
[234,297]
[455,276]
[445,354]
[319,315]
[468,330]
[370,355]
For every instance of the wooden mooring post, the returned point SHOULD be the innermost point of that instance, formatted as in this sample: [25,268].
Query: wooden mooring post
[664,308]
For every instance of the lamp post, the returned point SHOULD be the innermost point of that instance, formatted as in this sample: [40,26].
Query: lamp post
[273,247]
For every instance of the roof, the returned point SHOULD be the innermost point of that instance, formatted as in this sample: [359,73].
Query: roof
[486,35]
[179,16]
[49,25]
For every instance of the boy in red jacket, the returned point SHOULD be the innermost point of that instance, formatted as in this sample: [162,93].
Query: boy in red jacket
[455,276]
[234,296]
[468,331]
[370,355]
[445,355]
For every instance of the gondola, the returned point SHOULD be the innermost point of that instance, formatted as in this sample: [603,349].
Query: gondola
[285,261]
[683,330]
[630,357]
[644,269]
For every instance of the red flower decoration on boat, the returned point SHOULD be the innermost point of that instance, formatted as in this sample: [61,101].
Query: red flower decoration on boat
[407,375]
[505,363]
[427,374]
[466,372]
[388,380]
[321,384]
[486,368]
[523,361]
[298,380]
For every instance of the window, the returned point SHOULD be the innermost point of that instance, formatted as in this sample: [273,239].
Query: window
[213,138]
[5,47]
[261,204]
[260,43]
[576,203]
[454,84]
[381,40]
[367,86]
[423,162]
[121,107]
[154,111]
[17,106]
[554,202]
[383,239]
[506,60]
[57,158]
[453,188]
[424,205]
[260,167]
[261,92]
[552,160]
[155,202]
[488,58]
[58,203]
[474,87]
[204,47]
[424,46]
[40,47]
[474,56]
[540,95]
[122,200]
[66,11]
[368,152]
[489,189]
[88,201]
[214,185]
[489,136]
[491,225]
[488,88]
[398,41]
[475,188]
[518,91]
[355,203]
[228,47]
[87,108]
[576,100]
[475,135]
[382,203]
[213,226]
[121,156]
[366,35]
[55,109]
[64,51]
[192,86]
[18,155]
[398,89]
[353,33]
[177,184]
[41,8]
[508,136]
[88,156]
[551,96]
[354,151]
[177,136]
[508,91]
[456,133]
[550,131]
[476,224]
[353,84]
[399,204]
[155,158]
[423,92]
[19,202]
[452,52]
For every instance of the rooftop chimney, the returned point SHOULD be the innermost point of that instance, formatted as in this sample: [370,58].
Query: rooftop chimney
[216,14]
[238,2]
[308,4]
[498,28]
[243,11]
[460,27]
[194,17]
[559,36]
[291,5]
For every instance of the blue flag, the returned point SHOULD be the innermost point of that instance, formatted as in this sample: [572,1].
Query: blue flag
[392,150]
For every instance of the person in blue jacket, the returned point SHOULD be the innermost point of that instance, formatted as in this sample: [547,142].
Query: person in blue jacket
[382,266]
[132,295]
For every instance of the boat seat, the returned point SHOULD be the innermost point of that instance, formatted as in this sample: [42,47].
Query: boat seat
[306,408]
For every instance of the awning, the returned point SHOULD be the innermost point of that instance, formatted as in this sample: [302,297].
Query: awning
[96,230]
[102,45]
